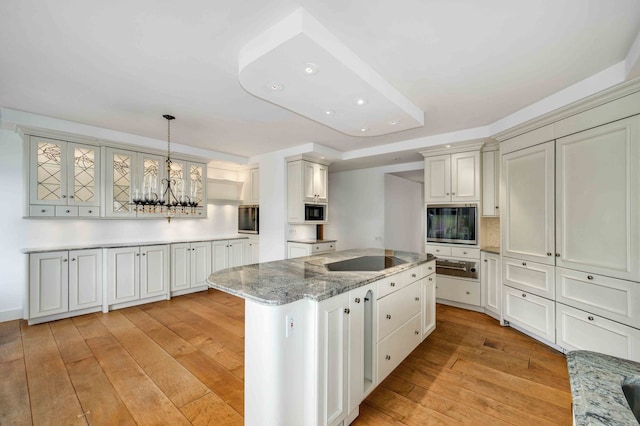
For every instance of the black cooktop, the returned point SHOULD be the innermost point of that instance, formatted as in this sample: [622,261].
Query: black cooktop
[365,263]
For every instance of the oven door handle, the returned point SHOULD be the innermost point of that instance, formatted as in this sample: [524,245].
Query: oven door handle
[457,268]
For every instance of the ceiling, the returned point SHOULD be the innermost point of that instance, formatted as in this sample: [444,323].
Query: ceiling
[120,64]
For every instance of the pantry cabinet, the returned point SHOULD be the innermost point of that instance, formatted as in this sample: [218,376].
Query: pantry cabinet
[491,182]
[491,280]
[64,178]
[64,282]
[452,177]
[190,266]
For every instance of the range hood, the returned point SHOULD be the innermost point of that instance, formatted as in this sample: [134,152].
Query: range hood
[224,191]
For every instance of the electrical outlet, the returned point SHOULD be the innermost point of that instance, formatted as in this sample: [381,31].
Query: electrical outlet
[290,326]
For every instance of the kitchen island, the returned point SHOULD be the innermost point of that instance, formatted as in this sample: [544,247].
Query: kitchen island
[322,331]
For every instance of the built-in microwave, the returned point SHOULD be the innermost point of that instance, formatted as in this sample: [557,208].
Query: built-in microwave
[315,212]
[452,223]
[248,219]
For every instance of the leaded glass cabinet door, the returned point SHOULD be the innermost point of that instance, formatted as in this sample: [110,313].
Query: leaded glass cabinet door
[147,186]
[48,178]
[197,181]
[120,166]
[83,175]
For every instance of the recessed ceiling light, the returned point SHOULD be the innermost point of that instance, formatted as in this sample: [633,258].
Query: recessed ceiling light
[276,86]
[364,129]
[394,122]
[310,68]
[447,146]
[360,101]
[329,112]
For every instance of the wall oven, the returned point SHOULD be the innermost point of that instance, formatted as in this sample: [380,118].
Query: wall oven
[248,219]
[452,223]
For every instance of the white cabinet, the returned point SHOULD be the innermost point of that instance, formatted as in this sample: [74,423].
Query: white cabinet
[490,277]
[428,304]
[532,313]
[362,345]
[64,178]
[452,177]
[190,266]
[307,182]
[458,290]
[252,251]
[137,273]
[297,249]
[491,183]
[251,186]
[536,278]
[62,282]
[579,330]
[227,254]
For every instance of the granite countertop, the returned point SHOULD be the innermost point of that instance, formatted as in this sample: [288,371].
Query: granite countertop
[311,241]
[596,388]
[128,244]
[491,249]
[285,281]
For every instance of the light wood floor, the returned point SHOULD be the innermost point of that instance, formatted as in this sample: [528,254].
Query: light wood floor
[181,362]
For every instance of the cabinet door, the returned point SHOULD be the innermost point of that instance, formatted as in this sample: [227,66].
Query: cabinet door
[123,274]
[437,179]
[48,283]
[83,175]
[309,181]
[200,263]
[85,279]
[196,182]
[536,278]
[298,250]
[333,368]
[236,253]
[48,172]
[252,252]
[579,330]
[465,176]
[147,183]
[154,271]
[597,193]
[219,255]
[398,307]
[362,344]
[428,285]
[532,313]
[528,204]
[321,179]
[490,183]
[180,266]
[119,175]
[254,186]
[491,282]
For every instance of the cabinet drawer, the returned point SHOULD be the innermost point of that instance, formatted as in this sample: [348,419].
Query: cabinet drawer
[62,211]
[471,253]
[323,247]
[42,211]
[438,250]
[458,290]
[529,276]
[533,313]
[85,211]
[609,297]
[396,308]
[395,348]
[579,330]
[414,274]
[390,284]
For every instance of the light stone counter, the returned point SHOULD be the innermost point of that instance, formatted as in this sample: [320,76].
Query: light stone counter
[596,388]
[286,281]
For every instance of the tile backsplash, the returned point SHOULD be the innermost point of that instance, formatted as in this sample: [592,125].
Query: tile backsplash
[489,232]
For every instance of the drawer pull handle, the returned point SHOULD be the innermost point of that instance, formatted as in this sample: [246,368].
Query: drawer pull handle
[413,275]
[388,357]
[417,332]
[468,292]
[430,268]
[357,300]
[464,252]
[589,277]
[392,284]
[590,318]
[347,311]
[524,295]
[485,261]
[417,299]
[388,316]
[524,263]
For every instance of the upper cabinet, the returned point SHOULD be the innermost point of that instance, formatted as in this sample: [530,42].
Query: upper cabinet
[491,182]
[307,183]
[315,182]
[251,186]
[452,177]
[64,178]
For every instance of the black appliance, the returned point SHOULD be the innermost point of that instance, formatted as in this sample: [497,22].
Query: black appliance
[452,223]
[248,219]
[315,212]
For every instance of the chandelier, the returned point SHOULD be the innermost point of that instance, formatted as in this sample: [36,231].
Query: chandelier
[170,199]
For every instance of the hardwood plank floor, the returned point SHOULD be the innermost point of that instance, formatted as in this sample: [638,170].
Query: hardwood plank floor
[181,362]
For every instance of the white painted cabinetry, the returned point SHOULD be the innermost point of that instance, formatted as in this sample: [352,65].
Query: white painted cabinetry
[491,182]
[252,251]
[190,267]
[227,254]
[491,283]
[452,177]
[64,283]
[250,186]
[533,313]
[307,182]
[297,249]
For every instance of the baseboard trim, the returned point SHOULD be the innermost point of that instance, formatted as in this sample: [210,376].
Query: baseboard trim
[10,315]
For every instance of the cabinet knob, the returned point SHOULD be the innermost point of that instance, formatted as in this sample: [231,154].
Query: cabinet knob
[347,311]
[430,268]
[430,279]
[137,254]
[90,211]
[67,211]
[416,332]
[453,193]
[71,196]
[388,357]
[497,207]
[73,259]
[417,299]
[413,275]
[448,193]
[589,277]
[524,295]
[392,284]
[144,254]
[557,254]
[548,253]
[388,316]
[590,318]
[64,196]
[43,211]
[64,260]
[524,263]
[468,292]
[357,300]
[464,252]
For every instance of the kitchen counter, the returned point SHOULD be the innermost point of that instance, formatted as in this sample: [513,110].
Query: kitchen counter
[286,281]
[596,388]
[311,241]
[491,249]
[127,244]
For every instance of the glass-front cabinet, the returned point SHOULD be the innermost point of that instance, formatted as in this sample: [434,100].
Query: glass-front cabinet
[64,178]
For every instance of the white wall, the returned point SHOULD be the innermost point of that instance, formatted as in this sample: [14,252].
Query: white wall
[273,206]
[403,214]
[357,206]
[19,233]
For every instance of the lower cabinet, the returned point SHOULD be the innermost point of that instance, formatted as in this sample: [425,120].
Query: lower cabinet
[532,313]
[491,282]
[428,304]
[64,283]
[227,254]
[137,273]
[190,267]
[295,249]
[458,290]
[252,251]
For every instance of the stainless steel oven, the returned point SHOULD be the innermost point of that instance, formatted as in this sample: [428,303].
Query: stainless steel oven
[452,223]
[467,269]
